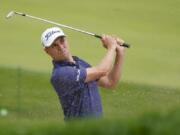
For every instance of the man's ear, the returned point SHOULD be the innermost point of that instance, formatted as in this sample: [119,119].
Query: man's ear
[46,50]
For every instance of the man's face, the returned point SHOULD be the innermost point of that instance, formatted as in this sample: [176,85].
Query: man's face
[59,50]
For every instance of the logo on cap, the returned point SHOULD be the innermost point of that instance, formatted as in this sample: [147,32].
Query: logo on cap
[49,34]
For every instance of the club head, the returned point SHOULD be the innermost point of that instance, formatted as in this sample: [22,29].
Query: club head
[10,14]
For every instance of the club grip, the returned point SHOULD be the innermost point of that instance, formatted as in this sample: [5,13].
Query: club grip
[98,36]
[124,45]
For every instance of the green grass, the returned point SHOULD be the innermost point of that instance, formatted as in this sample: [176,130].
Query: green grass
[149,124]
[29,95]
[152,27]
[33,108]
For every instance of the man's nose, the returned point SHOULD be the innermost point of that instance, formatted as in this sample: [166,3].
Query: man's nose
[60,46]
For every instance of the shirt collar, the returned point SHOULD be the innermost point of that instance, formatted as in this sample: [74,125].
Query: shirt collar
[66,63]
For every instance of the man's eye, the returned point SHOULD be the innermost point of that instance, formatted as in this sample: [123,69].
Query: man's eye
[54,45]
[62,40]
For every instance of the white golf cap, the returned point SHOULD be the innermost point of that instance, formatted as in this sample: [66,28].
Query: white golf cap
[50,34]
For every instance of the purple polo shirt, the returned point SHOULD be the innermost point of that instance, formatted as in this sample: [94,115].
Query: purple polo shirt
[77,98]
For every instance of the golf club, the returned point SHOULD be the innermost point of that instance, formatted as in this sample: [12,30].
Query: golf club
[13,13]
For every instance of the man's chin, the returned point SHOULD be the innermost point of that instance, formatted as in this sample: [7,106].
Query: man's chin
[64,57]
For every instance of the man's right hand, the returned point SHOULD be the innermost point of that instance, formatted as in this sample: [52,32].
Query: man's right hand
[109,42]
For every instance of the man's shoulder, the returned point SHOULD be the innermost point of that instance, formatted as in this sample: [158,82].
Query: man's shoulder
[61,70]
[82,61]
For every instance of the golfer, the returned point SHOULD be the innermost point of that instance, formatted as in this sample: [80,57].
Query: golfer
[74,80]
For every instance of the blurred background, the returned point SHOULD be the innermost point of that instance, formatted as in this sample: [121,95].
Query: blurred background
[150,81]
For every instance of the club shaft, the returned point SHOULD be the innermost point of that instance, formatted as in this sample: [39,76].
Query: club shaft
[65,26]
[55,23]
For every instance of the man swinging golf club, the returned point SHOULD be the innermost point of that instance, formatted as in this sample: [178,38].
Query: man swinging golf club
[75,81]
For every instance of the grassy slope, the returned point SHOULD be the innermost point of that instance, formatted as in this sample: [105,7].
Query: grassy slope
[33,108]
[152,27]
[151,124]
[28,95]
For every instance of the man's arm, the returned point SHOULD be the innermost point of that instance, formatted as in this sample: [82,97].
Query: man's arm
[104,66]
[112,78]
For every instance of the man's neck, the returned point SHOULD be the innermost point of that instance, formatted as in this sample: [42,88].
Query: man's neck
[68,59]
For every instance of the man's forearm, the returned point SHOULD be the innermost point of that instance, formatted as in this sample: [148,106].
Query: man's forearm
[115,74]
[106,63]
[111,79]
[102,68]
